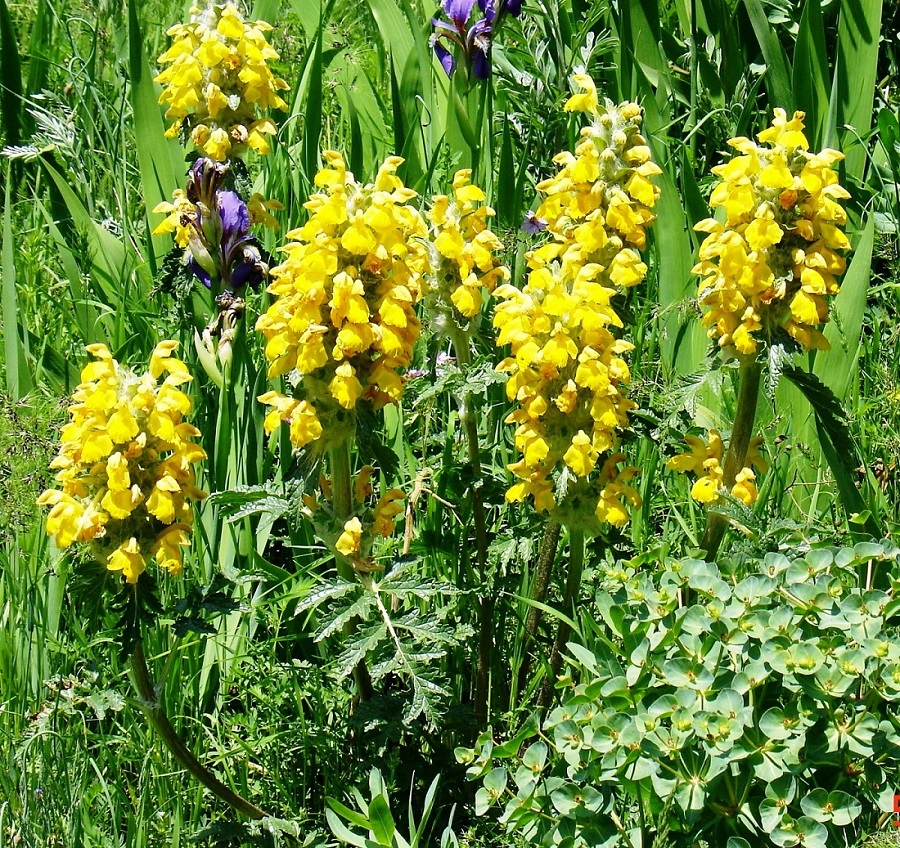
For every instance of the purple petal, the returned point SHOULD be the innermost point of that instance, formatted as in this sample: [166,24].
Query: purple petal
[514,7]
[459,11]
[481,64]
[532,224]
[445,57]
[487,9]
[200,273]
[234,214]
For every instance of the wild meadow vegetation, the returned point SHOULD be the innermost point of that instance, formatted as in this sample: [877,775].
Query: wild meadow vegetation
[457,425]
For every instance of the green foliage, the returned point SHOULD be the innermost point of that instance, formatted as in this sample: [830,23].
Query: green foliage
[395,635]
[762,706]
[376,820]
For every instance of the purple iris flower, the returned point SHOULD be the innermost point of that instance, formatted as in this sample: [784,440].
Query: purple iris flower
[473,42]
[221,246]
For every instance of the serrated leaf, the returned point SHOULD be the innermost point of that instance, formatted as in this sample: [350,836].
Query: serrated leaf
[337,620]
[363,643]
[335,589]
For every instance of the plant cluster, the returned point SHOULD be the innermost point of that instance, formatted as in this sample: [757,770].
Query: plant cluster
[761,709]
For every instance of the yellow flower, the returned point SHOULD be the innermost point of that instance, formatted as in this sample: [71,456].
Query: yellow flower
[706,461]
[386,512]
[217,81]
[771,265]
[463,257]
[343,322]
[566,369]
[179,215]
[348,541]
[125,464]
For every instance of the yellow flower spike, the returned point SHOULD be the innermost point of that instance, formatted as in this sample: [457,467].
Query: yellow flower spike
[463,257]
[343,322]
[125,465]
[216,81]
[566,369]
[762,270]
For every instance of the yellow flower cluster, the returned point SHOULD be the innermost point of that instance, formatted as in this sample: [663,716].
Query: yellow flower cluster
[218,80]
[356,534]
[125,465]
[705,460]
[462,261]
[343,323]
[567,370]
[773,261]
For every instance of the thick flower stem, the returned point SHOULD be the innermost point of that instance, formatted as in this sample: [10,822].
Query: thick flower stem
[736,455]
[542,570]
[160,721]
[573,584]
[342,503]
[486,602]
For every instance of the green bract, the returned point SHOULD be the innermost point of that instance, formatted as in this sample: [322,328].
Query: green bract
[761,708]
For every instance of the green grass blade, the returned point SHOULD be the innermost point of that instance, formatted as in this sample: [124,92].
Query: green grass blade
[810,80]
[838,446]
[157,155]
[11,76]
[266,10]
[778,73]
[18,379]
[858,35]
[838,367]
[397,35]
[312,128]
[40,46]
[109,259]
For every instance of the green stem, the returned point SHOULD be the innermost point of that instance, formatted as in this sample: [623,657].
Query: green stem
[160,721]
[573,584]
[736,455]
[342,504]
[479,518]
[542,571]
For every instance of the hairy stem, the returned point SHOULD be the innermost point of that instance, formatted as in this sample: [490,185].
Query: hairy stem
[486,602]
[736,455]
[342,504]
[542,570]
[573,584]
[160,721]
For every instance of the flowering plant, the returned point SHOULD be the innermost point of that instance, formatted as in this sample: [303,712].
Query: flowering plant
[126,465]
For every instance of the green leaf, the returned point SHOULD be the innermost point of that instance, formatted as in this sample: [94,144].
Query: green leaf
[111,263]
[18,378]
[838,368]
[342,833]
[810,80]
[859,31]
[159,158]
[329,590]
[837,444]
[381,821]
[11,76]
[778,76]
